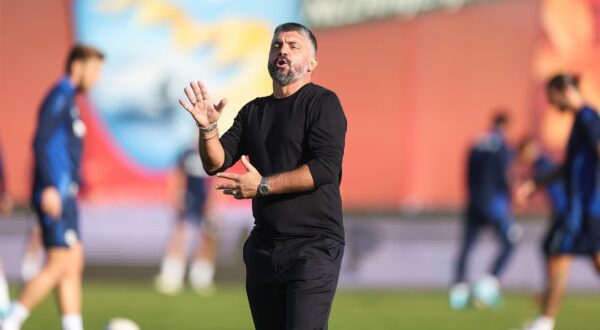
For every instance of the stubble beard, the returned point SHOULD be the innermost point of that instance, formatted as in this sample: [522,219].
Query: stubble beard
[294,72]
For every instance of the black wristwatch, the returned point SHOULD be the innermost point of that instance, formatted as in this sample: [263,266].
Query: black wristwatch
[263,187]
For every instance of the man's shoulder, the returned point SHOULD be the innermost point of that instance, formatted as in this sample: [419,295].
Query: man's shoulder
[588,114]
[58,96]
[319,91]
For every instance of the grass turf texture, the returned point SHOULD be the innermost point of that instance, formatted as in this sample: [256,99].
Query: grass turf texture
[353,309]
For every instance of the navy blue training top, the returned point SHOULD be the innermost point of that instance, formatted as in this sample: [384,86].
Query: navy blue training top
[195,178]
[487,170]
[581,165]
[58,142]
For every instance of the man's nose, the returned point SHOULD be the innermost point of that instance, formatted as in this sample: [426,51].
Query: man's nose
[284,50]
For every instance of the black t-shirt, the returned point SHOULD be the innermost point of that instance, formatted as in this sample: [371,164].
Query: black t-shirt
[280,135]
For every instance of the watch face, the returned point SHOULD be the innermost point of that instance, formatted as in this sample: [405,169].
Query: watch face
[263,189]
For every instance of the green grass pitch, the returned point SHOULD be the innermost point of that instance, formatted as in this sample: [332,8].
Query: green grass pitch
[353,309]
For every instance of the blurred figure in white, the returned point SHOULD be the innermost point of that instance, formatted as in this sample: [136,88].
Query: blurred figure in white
[190,192]
[33,260]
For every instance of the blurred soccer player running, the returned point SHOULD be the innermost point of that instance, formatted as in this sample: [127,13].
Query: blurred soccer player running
[295,138]
[488,204]
[57,146]
[193,198]
[578,231]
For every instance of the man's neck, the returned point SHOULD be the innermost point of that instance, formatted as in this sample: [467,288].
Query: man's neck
[74,82]
[289,89]
[579,104]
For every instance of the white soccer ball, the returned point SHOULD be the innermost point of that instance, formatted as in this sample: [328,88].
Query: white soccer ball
[121,324]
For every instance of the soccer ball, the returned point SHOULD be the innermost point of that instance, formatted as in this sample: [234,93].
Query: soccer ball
[121,324]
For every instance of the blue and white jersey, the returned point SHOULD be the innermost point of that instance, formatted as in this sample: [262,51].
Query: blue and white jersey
[487,172]
[581,166]
[555,191]
[195,176]
[58,143]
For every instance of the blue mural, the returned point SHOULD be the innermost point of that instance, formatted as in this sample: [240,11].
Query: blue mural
[154,48]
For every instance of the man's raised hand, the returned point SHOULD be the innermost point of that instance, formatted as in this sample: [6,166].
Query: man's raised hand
[201,107]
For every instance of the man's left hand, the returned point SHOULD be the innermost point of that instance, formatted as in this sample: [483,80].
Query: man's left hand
[243,186]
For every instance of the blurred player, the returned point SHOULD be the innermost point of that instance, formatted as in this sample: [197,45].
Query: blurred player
[530,153]
[58,146]
[578,231]
[488,205]
[5,209]
[191,194]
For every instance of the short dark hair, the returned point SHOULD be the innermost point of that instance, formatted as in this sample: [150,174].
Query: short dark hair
[292,26]
[500,118]
[561,81]
[82,52]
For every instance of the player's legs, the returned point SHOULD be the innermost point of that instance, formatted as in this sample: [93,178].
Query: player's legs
[508,233]
[69,285]
[34,254]
[202,270]
[61,239]
[471,230]
[172,269]
[486,291]
[557,273]
[37,289]
[459,295]
[68,291]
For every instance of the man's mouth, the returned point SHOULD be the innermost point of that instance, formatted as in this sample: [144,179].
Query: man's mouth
[281,62]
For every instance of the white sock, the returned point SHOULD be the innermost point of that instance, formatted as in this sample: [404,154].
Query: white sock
[202,273]
[544,322]
[4,297]
[17,314]
[173,269]
[72,322]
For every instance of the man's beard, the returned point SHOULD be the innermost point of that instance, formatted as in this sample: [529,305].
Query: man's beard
[293,74]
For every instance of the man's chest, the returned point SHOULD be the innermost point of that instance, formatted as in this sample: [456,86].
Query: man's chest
[277,128]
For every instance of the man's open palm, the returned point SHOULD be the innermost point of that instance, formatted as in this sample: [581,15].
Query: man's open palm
[201,107]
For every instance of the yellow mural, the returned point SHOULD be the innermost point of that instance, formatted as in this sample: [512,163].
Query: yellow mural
[242,41]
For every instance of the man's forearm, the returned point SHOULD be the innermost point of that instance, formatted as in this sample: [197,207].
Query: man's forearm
[211,151]
[298,180]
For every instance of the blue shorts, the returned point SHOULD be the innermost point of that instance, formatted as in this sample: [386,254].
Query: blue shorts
[63,232]
[194,208]
[573,237]
[498,213]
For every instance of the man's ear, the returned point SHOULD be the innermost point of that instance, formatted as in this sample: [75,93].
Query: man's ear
[312,64]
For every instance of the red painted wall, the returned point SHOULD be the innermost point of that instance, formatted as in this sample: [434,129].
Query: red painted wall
[416,93]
